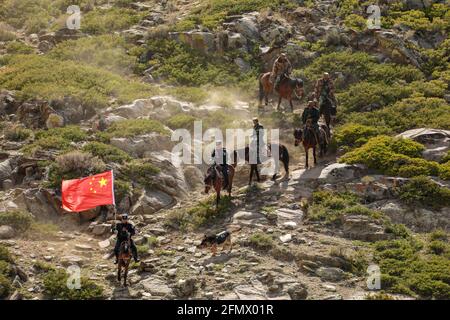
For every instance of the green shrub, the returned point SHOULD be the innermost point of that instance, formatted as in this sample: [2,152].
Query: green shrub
[29,75]
[5,286]
[351,135]
[70,133]
[134,127]
[73,165]
[5,255]
[405,271]
[100,21]
[355,22]
[181,120]
[393,156]
[121,189]
[422,191]
[261,241]
[439,234]
[18,47]
[142,172]
[106,152]
[438,247]
[190,94]
[417,20]
[19,220]
[5,268]
[55,287]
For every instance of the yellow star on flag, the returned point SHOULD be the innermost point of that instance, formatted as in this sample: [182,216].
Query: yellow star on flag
[103,182]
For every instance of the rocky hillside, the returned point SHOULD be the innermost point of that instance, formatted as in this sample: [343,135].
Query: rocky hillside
[109,95]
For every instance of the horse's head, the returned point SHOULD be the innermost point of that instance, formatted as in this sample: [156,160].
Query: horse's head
[298,135]
[299,92]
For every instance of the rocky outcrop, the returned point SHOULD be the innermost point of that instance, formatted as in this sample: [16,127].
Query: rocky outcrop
[436,141]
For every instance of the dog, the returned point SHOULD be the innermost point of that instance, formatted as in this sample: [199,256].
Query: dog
[213,240]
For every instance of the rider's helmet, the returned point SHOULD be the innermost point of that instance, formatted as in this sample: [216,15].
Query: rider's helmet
[124,216]
[326,75]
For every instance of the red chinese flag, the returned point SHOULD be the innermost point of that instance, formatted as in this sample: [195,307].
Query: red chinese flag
[87,193]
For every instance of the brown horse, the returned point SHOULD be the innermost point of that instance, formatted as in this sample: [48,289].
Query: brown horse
[309,140]
[286,88]
[214,179]
[328,109]
[124,260]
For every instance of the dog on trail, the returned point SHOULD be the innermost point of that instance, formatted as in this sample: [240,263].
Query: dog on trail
[213,240]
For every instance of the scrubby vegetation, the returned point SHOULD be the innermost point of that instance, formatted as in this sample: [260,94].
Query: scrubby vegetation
[19,220]
[200,215]
[392,156]
[106,152]
[55,287]
[133,127]
[422,191]
[5,271]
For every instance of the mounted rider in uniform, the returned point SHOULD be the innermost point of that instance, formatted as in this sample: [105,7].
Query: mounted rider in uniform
[311,112]
[124,229]
[324,90]
[281,66]
[219,157]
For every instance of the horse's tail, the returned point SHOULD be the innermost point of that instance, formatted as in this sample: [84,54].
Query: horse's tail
[261,87]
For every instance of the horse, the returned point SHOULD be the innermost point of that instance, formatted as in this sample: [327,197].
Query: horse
[214,179]
[124,259]
[328,109]
[309,140]
[283,156]
[287,87]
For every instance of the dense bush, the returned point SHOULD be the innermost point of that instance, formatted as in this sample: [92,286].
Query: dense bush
[19,220]
[5,255]
[181,120]
[56,139]
[18,47]
[422,191]
[55,287]
[261,241]
[405,270]
[106,152]
[351,135]
[73,165]
[393,156]
[30,76]
[141,171]
[5,286]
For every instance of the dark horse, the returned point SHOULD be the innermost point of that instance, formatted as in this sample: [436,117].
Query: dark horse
[124,259]
[327,109]
[283,156]
[309,140]
[286,88]
[214,179]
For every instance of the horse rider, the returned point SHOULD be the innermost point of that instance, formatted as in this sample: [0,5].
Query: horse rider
[324,90]
[219,157]
[258,138]
[124,228]
[311,112]
[281,66]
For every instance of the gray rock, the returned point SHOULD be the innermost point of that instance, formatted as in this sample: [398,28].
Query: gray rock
[297,291]
[436,141]
[101,229]
[185,287]
[150,202]
[341,172]
[138,108]
[7,232]
[330,274]
[156,287]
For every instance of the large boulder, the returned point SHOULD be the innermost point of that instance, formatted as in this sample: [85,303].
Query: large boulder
[248,26]
[7,232]
[156,287]
[330,274]
[436,141]
[140,145]
[138,108]
[341,172]
[198,40]
[359,227]
[151,201]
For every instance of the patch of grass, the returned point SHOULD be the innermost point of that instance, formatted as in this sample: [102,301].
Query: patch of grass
[5,286]
[107,152]
[181,121]
[55,287]
[43,267]
[108,52]
[41,231]
[438,247]
[261,241]
[191,94]
[438,234]
[351,135]
[199,215]
[17,133]
[101,21]
[5,255]
[422,191]
[141,171]
[19,220]
[94,87]
[5,268]
[18,47]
